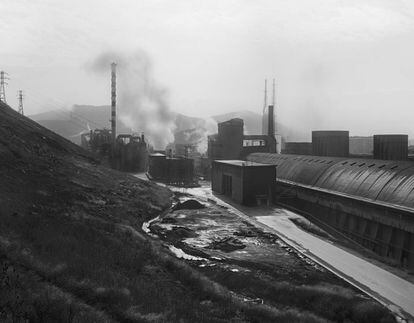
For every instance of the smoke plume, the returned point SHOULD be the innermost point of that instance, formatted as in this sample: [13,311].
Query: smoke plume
[142,103]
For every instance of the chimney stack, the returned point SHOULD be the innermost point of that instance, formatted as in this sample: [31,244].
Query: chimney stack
[271,123]
[113,102]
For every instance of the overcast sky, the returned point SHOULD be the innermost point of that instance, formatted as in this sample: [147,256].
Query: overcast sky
[338,64]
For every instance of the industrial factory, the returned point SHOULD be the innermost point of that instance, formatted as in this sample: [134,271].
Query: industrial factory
[361,187]
[202,161]
[367,195]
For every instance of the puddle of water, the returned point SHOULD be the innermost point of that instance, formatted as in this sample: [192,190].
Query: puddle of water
[146,225]
[179,253]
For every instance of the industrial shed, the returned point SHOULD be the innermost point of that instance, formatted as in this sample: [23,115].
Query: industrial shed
[245,182]
[369,200]
[378,180]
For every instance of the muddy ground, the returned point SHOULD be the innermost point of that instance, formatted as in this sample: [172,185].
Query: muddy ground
[259,267]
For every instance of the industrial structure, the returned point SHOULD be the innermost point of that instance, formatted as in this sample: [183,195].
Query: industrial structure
[297,148]
[369,200]
[333,143]
[244,182]
[3,83]
[125,152]
[391,147]
[20,109]
[177,171]
[230,143]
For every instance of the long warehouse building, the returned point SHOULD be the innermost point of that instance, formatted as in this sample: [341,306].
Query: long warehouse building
[370,200]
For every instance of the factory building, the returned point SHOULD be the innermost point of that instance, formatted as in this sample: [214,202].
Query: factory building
[391,147]
[332,143]
[297,148]
[230,143]
[244,182]
[369,200]
[176,171]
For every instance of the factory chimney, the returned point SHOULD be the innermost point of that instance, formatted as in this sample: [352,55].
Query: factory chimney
[113,102]
[270,124]
[264,117]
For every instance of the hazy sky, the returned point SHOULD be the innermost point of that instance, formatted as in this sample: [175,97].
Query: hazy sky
[338,64]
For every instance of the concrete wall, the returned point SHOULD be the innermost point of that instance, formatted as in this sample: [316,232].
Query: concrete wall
[387,232]
[258,181]
[218,170]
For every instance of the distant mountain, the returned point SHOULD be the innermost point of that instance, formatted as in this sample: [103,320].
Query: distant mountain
[81,118]
[70,124]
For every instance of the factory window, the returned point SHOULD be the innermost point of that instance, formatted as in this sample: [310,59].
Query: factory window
[255,143]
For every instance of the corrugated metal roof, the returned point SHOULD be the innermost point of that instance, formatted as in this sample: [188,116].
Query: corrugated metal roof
[242,163]
[378,180]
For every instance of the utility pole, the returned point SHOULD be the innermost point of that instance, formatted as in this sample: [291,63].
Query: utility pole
[3,82]
[21,102]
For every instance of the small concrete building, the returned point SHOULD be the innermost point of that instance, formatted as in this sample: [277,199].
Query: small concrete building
[245,182]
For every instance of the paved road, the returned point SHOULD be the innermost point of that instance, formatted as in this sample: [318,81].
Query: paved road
[395,292]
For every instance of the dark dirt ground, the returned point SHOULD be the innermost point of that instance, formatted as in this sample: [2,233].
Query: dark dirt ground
[260,268]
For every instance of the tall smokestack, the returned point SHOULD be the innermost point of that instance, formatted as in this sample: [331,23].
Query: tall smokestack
[264,119]
[113,102]
[270,124]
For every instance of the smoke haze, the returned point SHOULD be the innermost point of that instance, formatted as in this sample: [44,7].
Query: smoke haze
[142,103]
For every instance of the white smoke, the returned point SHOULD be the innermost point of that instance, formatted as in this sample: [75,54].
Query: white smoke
[142,103]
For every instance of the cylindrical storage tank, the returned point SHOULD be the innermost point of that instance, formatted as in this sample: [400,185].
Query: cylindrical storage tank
[391,147]
[156,167]
[333,143]
[298,148]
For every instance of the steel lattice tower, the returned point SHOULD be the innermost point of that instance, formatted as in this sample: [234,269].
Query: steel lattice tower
[21,102]
[2,86]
